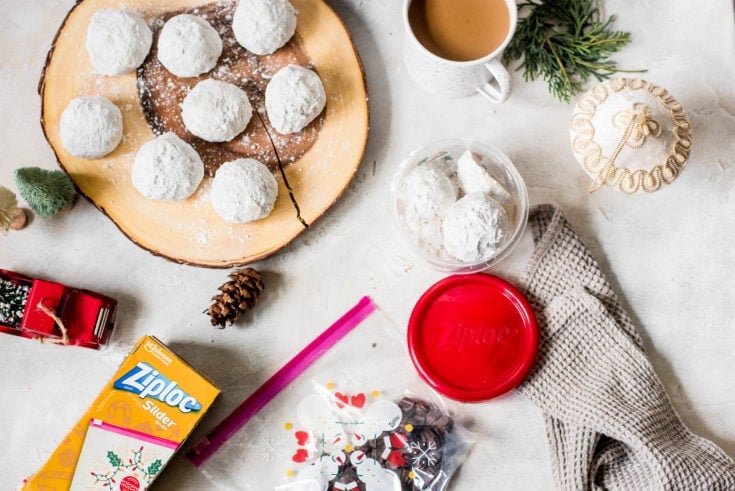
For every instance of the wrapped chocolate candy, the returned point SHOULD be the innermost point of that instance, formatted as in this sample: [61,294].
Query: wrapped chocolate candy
[415,450]
[631,135]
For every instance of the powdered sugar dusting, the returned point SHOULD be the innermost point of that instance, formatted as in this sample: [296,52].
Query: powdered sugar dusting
[216,111]
[243,190]
[161,94]
[117,41]
[294,97]
[188,45]
[474,227]
[167,168]
[449,205]
[263,26]
[91,127]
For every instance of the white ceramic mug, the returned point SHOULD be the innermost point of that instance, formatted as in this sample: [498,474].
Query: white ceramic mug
[450,78]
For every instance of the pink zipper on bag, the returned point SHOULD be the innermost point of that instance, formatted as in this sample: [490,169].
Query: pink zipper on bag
[208,445]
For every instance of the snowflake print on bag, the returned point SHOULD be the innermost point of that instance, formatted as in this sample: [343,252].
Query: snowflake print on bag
[353,442]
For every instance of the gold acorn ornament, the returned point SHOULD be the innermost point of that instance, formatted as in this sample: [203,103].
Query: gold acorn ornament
[11,217]
[236,297]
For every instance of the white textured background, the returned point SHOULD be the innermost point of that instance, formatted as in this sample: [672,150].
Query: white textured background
[670,253]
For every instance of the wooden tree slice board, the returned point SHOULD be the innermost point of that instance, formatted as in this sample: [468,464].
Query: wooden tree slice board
[191,232]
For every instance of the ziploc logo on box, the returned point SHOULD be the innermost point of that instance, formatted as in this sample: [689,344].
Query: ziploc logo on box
[145,381]
[132,429]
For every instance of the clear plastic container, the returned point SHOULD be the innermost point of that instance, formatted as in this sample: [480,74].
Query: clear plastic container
[443,154]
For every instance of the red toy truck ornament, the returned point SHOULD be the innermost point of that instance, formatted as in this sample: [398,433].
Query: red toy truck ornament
[38,309]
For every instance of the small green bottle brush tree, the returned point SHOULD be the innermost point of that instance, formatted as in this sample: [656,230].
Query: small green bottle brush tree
[47,191]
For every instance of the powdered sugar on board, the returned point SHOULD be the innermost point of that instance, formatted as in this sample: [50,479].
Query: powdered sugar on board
[318,177]
[161,94]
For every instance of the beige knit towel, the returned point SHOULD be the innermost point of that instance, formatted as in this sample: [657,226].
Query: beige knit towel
[609,421]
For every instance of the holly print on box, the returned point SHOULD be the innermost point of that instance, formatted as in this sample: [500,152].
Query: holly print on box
[119,458]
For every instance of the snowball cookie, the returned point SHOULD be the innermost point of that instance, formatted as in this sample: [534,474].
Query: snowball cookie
[216,111]
[474,177]
[167,168]
[117,41]
[243,190]
[263,26]
[427,193]
[474,227]
[294,97]
[188,46]
[91,127]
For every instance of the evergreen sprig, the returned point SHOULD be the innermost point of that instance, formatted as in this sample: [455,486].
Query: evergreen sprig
[565,42]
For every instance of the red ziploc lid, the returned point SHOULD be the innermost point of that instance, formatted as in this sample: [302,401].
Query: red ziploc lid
[472,337]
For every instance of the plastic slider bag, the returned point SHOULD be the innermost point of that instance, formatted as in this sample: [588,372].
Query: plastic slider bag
[358,418]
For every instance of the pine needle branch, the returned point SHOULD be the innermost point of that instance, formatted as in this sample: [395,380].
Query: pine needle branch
[565,42]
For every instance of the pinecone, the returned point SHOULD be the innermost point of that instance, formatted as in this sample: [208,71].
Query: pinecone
[237,296]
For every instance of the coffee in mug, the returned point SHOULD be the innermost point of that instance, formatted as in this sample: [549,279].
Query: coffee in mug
[460,30]
[453,48]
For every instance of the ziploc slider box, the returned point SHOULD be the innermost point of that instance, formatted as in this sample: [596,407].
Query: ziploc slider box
[139,420]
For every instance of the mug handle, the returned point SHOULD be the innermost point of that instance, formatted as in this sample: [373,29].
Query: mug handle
[500,75]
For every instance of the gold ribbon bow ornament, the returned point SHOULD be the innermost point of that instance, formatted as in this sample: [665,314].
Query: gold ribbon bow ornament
[632,126]
[637,124]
